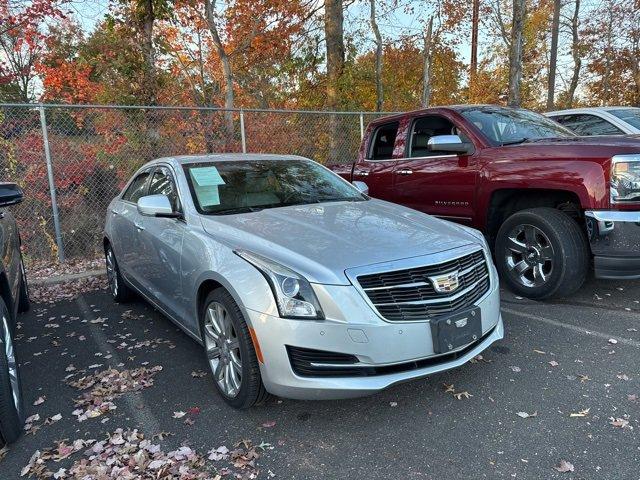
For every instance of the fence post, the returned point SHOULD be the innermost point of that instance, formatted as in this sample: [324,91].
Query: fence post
[361,125]
[242,133]
[52,187]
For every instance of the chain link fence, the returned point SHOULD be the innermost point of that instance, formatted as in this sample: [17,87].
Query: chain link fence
[71,160]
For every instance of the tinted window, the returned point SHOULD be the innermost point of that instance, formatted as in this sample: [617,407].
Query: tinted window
[136,189]
[162,184]
[505,126]
[384,140]
[425,128]
[585,124]
[250,185]
[629,115]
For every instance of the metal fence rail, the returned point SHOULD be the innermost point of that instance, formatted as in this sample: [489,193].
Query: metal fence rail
[71,160]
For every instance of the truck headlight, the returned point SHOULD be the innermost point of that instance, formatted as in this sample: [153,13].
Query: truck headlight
[625,178]
[293,293]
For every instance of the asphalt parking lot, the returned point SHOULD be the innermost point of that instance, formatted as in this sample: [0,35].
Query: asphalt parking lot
[570,367]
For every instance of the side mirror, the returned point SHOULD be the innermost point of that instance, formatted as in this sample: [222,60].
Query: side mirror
[10,194]
[361,186]
[449,143]
[156,206]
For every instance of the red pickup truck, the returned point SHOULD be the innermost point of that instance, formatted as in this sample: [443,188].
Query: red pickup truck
[549,202]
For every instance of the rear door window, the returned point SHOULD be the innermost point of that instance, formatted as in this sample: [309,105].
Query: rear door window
[384,140]
[586,124]
[136,188]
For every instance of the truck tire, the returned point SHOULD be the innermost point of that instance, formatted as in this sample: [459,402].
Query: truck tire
[11,403]
[542,253]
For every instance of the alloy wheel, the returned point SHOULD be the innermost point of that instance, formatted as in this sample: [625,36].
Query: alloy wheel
[529,255]
[14,380]
[223,349]
[112,274]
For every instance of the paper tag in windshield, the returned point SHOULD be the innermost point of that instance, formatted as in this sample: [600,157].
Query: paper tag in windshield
[206,176]
[208,196]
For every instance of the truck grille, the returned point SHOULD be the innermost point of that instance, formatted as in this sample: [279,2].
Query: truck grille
[406,295]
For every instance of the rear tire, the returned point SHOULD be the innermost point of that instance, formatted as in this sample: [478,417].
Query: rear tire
[24,303]
[542,253]
[11,401]
[230,351]
[120,291]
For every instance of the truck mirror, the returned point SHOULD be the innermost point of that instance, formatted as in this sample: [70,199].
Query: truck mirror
[449,143]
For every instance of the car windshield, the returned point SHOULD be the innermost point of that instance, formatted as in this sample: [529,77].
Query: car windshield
[629,115]
[508,126]
[228,187]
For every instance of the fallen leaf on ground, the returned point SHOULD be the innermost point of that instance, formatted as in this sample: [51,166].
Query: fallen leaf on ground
[179,414]
[613,341]
[269,424]
[540,352]
[620,423]
[581,413]
[527,415]
[461,395]
[39,401]
[553,363]
[564,467]
[515,369]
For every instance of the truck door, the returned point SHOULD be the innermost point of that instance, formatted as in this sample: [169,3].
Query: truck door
[377,165]
[438,183]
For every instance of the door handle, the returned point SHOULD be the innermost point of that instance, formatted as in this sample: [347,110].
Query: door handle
[361,173]
[139,226]
[405,171]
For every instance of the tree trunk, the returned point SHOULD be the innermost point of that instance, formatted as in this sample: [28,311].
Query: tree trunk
[553,60]
[606,82]
[227,73]
[515,54]
[575,53]
[475,20]
[150,86]
[376,31]
[334,39]
[426,69]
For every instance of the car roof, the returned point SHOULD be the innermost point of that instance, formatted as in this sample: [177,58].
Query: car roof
[590,109]
[225,157]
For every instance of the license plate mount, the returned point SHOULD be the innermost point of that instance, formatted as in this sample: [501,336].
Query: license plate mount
[455,331]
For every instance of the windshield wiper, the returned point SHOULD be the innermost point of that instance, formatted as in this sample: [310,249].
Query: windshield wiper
[515,141]
[231,211]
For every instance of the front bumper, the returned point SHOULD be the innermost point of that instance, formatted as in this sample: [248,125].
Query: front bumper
[376,343]
[614,237]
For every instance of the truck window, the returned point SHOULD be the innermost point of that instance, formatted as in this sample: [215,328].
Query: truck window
[426,127]
[585,124]
[384,139]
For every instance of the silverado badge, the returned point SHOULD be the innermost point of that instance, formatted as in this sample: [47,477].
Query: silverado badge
[445,283]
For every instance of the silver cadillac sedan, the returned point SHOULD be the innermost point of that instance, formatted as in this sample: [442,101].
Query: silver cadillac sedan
[295,282]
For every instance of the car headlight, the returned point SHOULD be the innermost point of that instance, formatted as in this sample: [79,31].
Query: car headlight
[625,178]
[293,293]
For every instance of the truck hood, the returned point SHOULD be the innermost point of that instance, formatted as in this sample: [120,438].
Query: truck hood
[614,141]
[321,241]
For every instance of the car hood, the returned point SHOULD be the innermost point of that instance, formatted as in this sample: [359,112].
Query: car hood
[321,241]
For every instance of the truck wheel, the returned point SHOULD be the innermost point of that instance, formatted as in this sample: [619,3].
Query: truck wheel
[11,404]
[542,252]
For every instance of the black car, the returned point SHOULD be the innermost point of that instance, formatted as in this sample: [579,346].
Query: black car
[14,298]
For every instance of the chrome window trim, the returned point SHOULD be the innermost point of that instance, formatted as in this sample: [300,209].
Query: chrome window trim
[415,262]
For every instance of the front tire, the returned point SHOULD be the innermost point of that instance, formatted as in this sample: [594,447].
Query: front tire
[542,253]
[230,352]
[11,402]
[120,291]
